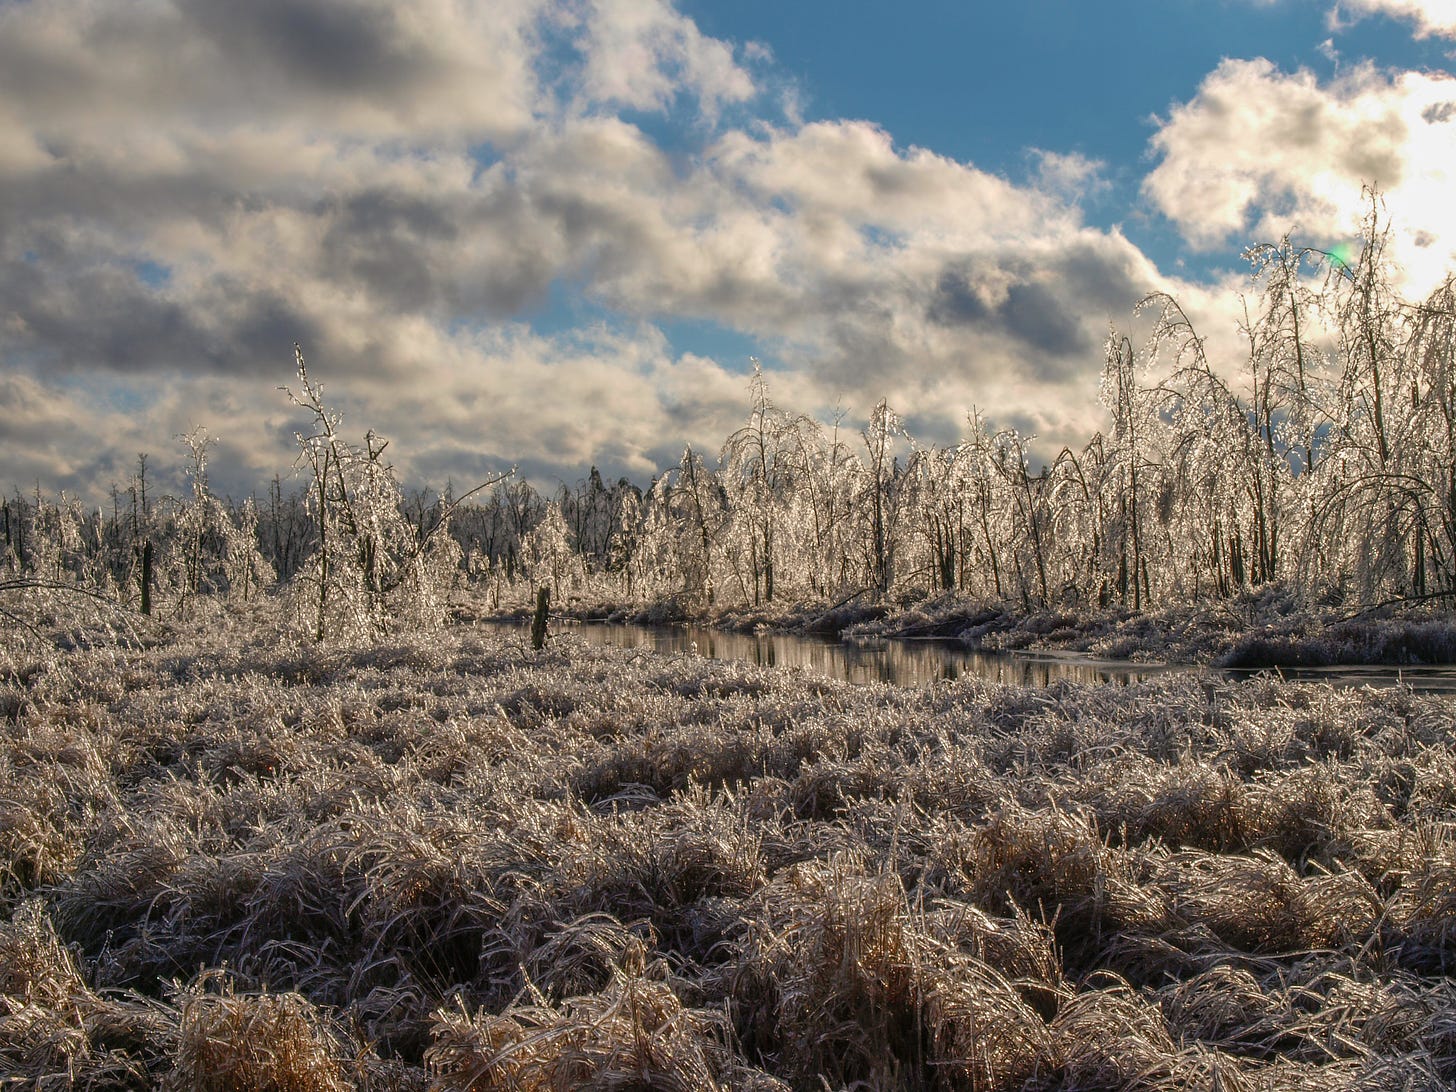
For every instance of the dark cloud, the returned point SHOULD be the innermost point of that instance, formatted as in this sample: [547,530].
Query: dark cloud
[956,302]
[1028,312]
[373,214]
[466,466]
[1102,278]
[67,313]
[1035,316]
[339,46]
[259,328]
[82,318]
[70,194]
[490,251]
[367,65]
[389,242]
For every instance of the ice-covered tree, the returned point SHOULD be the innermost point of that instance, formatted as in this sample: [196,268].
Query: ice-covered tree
[210,551]
[758,471]
[371,568]
[551,558]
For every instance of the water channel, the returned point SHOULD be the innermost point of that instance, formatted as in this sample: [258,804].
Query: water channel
[918,663]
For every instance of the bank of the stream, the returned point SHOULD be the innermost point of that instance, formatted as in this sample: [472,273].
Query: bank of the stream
[1273,628]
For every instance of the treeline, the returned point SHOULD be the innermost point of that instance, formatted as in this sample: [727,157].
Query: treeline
[1326,459]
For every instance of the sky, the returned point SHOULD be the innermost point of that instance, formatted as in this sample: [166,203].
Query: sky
[553,234]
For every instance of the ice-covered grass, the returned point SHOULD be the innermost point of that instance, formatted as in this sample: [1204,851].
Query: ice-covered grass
[231,861]
[1268,627]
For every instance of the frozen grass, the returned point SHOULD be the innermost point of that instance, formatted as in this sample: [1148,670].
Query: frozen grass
[1269,626]
[232,862]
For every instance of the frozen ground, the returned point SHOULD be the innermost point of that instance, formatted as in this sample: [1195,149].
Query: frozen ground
[232,861]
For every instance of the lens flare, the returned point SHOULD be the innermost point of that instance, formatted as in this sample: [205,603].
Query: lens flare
[1343,255]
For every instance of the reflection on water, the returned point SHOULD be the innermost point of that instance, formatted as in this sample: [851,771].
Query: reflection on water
[917,663]
[1432,679]
[903,663]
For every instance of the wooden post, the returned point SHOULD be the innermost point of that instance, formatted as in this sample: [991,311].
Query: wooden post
[147,577]
[538,623]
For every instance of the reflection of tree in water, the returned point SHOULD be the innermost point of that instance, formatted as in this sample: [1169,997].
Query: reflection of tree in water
[920,663]
[901,663]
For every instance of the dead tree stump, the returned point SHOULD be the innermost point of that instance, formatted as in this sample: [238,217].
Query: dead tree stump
[538,623]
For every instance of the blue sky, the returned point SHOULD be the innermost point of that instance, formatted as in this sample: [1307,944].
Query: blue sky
[552,232]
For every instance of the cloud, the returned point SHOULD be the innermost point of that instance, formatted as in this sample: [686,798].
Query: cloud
[857,260]
[1071,176]
[451,206]
[1432,18]
[642,54]
[473,403]
[367,67]
[1259,152]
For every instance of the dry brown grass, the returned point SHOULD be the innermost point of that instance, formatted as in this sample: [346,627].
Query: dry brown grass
[226,863]
[55,1031]
[229,1042]
[635,1033]
[843,977]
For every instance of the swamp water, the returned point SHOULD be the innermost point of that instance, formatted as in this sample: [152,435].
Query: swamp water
[919,663]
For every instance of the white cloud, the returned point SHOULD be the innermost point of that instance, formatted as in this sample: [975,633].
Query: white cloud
[1071,176]
[642,54]
[1259,152]
[1432,18]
